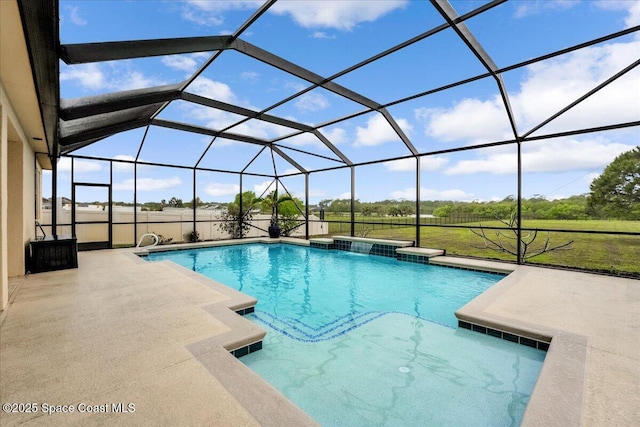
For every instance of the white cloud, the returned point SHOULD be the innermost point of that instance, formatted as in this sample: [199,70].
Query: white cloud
[632,8]
[535,7]
[433,163]
[429,163]
[634,14]
[453,194]
[336,135]
[559,155]
[312,102]
[261,129]
[264,187]
[186,63]
[430,194]
[378,131]
[406,194]
[295,86]
[250,76]
[126,167]
[219,119]
[322,35]
[123,167]
[89,76]
[212,89]
[547,88]
[116,76]
[126,157]
[193,15]
[304,139]
[214,118]
[552,85]
[79,166]
[338,14]
[149,184]
[471,119]
[289,171]
[343,196]
[134,80]
[74,15]
[216,189]
[210,13]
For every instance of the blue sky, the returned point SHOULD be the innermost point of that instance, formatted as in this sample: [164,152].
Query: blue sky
[328,36]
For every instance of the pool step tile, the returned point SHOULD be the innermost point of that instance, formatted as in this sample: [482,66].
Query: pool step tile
[247,349]
[518,339]
[244,311]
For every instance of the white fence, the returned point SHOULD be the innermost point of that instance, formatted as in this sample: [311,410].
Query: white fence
[174,224]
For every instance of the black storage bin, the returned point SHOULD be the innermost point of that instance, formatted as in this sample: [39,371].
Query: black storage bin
[53,253]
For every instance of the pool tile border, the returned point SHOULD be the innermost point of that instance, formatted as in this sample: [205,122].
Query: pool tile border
[247,310]
[322,245]
[247,349]
[507,336]
[416,259]
[384,248]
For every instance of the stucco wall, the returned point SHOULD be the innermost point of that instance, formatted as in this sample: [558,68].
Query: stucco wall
[17,195]
[15,219]
[123,233]
[21,196]
[4,258]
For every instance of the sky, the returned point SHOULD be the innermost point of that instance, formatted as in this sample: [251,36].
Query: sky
[326,37]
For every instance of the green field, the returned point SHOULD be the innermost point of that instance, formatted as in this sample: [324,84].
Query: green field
[617,254]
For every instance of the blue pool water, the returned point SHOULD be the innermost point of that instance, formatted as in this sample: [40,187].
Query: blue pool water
[364,340]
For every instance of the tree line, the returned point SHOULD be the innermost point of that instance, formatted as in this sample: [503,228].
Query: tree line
[615,194]
[537,207]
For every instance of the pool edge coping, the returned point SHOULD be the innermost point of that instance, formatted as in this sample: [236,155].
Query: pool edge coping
[559,393]
[217,354]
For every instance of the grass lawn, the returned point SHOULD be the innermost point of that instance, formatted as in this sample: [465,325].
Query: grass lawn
[601,252]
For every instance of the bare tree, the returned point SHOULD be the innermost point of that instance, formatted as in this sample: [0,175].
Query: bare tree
[507,240]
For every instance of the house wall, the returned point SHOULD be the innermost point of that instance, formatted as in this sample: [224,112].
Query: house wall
[17,196]
[4,258]
[15,180]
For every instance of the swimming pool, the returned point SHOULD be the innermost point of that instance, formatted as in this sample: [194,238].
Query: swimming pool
[366,340]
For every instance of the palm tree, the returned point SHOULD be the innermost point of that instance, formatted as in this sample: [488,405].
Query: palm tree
[272,201]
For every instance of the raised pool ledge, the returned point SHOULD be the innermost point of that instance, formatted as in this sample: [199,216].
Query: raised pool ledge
[381,247]
[322,243]
[396,243]
[418,255]
[499,267]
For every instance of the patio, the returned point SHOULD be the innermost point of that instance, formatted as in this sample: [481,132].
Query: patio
[120,330]
[491,113]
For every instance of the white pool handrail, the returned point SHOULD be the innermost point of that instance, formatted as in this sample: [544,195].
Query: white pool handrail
[155,238]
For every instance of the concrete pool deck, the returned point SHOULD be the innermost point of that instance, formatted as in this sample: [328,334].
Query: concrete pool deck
[121,330]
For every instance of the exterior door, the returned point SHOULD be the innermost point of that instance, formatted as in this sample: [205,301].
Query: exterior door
[91,216]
